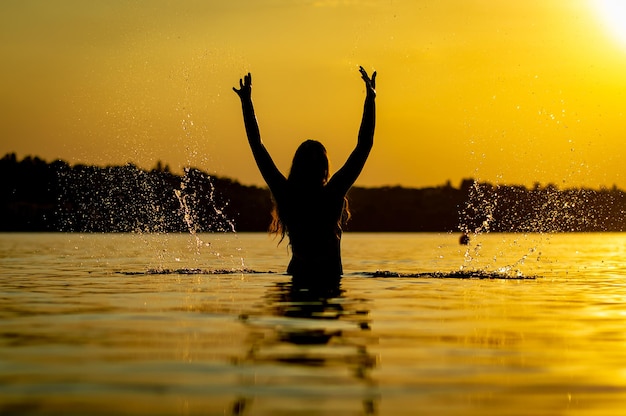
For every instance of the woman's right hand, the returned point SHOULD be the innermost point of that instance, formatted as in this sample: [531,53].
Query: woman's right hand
[245,87]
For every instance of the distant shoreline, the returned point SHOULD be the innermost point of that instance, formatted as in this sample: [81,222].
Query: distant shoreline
[57,197]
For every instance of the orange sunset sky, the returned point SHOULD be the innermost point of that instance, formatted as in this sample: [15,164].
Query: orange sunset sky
[502,91]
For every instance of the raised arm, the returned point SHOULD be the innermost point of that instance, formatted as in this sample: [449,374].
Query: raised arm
[350,171]
[266,165]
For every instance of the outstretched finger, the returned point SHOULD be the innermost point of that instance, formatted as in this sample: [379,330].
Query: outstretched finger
[374,80]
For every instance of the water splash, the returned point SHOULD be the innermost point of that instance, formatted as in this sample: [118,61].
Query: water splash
[127,199]
[202,209]
[461,274]
[186,200]
[193,271]
[532,215]
[526,219]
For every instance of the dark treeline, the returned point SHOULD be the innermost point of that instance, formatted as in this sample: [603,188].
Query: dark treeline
[40,196]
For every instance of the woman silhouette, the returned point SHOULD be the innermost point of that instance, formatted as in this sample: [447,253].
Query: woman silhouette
[308,206]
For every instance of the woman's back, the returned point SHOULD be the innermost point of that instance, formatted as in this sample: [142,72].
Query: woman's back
[313,222]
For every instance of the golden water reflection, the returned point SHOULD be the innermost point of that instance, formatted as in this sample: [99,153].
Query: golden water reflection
[323,335]
[77,337]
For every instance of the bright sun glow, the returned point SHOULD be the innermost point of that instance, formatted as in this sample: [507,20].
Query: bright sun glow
[614,14]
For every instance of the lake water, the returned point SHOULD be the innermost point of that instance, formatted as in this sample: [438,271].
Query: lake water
[207,325]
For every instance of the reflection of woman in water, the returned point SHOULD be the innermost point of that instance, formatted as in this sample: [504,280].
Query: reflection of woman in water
[309,207]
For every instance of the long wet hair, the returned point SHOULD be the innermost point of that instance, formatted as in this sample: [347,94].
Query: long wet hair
[309,172]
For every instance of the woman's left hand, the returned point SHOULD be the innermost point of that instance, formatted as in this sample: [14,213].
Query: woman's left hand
[370,83]
[245,87]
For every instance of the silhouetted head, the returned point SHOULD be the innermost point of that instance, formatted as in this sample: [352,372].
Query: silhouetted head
[310,165]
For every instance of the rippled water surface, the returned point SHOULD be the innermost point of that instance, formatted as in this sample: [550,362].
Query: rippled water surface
[208,324]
